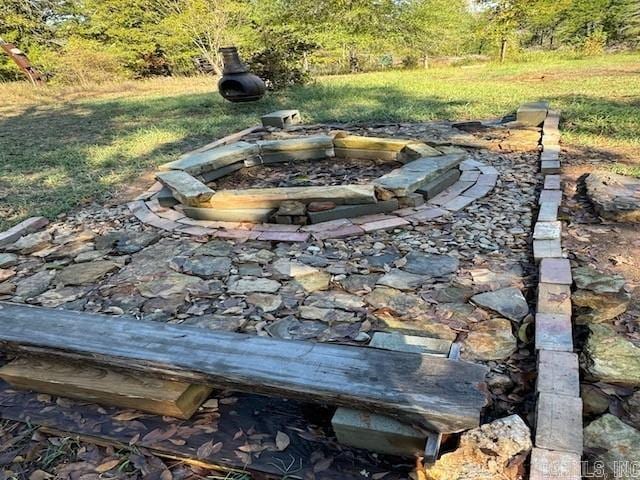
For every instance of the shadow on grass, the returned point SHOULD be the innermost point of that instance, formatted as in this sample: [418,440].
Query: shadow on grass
[57,157]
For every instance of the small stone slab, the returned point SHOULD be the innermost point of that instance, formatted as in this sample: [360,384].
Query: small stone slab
[547,230]
[428,214]
[509,302]
[230,215]
[469,176]
[29,225]
[185,188]
[411,200]
[548,212]
[550,166]
[140,210]
[556,270]
[552,182]
[550,150]
[281,118]
[165,198]
[239,235]
[532,113]
[450,193]
[350,211]
[558,373]
[431,189]
[340,232]
[559,423]
[458,203]
[470,164]
[410,343]
[284,236]
[477,191]
[547,249]
[199,162]
[550,465]
[391,222]
[489,179]
[275,227]
[418,173]
[553,332]
[212,175]
[488,170]
[325,226]
[413,151]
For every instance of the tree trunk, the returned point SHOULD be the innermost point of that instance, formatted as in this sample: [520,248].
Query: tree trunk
[425,61]
[503,50]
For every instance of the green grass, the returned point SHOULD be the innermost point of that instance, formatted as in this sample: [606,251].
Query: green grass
[62,147]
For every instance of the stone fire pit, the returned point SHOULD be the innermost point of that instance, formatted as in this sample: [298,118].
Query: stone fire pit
[422,173]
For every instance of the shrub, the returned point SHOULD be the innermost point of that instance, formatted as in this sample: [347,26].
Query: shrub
[594,43]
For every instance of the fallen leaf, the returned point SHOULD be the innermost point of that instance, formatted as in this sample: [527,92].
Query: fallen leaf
[134,439]
[322,465]
[40,475]
[177,441]
[282,441]
[125,416]
[166,475]
[106,466]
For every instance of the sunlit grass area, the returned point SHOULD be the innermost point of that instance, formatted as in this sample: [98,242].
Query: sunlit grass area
[63,146]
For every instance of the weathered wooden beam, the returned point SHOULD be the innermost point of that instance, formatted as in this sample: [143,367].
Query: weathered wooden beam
[272,197]
[105,386]
[438,394]
[370,143]
[185,188]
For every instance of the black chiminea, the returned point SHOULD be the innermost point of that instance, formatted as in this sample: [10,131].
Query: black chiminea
[237,84]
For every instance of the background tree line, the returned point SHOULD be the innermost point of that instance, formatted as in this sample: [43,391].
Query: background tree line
[78,41]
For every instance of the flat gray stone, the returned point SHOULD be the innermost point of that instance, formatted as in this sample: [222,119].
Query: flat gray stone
[29,225]
[351,211]
[203,266]
[35,284]
[267,302]
[588,278]
[401,280]
[410,343]
[614,197]
[434,187]
[609,357]
[418,173]
[613,443]
[559,423]
[229,323]
[508,302]
[8,260]
[431,265]
[335,299]
[489,340]
[85,273]
[200,162]
[250,285]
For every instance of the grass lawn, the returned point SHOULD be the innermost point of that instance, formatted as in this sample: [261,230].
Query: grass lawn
[62,147]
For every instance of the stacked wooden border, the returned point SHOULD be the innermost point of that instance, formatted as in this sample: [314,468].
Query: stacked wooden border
[558,440]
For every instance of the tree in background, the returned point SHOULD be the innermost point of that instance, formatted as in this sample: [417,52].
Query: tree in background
[434,27]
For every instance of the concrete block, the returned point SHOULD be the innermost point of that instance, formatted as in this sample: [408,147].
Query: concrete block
[550,166]
[532,114]
[559,423]
[547,249]
[409,343]
[558,373]
[556,270]
[350,211]
[550,196]
[553,332]
[376,433]
[548,212]
[547,230]
[550,465]
[552,182]
[554,299]
[281,118]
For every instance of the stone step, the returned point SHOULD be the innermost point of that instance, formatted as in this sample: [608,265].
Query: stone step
[231,214]
[418,173]
[199,163]
[351,211]
[185,188]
